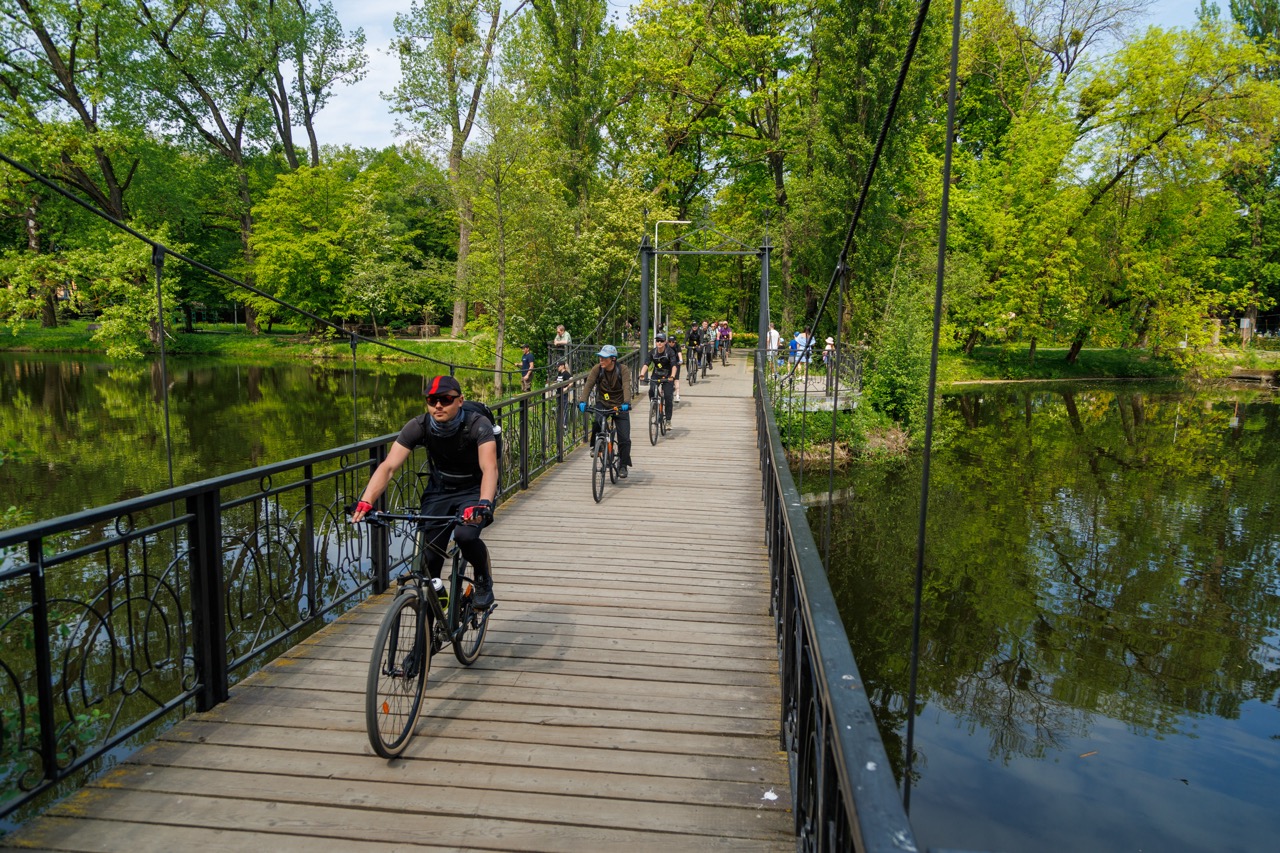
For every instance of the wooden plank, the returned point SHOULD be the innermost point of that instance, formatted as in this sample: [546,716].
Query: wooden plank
[267,740]
[438,795]
[546,780]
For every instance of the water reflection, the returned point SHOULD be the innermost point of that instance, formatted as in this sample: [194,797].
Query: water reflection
[1102,612]
[77,433]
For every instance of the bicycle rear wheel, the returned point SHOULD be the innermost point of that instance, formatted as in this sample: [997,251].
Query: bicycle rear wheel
[597,471]
[469,627]
[397,675]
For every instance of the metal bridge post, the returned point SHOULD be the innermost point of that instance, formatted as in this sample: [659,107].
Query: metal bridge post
[380,537]
[524,442]
[763,326]
[646,275]
[208,608]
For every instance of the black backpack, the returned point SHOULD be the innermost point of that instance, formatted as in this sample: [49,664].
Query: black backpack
[478,408]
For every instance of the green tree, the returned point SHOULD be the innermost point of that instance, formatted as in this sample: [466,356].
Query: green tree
[444,66]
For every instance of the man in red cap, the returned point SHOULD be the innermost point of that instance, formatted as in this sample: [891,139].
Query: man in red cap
[464,478]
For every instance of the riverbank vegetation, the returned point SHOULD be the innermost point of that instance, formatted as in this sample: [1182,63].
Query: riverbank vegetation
[283,343]
[1114,185]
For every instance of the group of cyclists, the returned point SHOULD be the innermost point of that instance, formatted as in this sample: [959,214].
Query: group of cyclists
[462,446]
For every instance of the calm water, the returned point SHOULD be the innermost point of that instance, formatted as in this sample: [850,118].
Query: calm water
[1101,641]
[77,433]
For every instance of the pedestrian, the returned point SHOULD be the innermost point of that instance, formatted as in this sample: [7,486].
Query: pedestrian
[772,341]
[563,374]
[560,345]
[526,368]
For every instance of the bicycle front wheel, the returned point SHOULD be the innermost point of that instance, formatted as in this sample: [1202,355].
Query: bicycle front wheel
[397,676]
[611,459]
[654,417]
[597,471]
[469,627]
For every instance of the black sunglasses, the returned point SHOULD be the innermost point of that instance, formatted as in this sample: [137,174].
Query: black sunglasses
[441,399]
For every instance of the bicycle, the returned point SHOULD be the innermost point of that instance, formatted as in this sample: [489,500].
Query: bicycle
[707,351]
[402,653]
[725,348]
[693,357]
[604,453]
[657,410]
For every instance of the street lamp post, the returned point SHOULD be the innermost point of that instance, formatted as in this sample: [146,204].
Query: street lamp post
[657,321]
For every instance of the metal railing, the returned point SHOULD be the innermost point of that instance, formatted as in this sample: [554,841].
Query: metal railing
[117,621]
[842,787]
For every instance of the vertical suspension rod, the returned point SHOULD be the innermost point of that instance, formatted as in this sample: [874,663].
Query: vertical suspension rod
[928,417]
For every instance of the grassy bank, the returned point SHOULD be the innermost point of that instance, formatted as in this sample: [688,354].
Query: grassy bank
[988,364]
[234,343]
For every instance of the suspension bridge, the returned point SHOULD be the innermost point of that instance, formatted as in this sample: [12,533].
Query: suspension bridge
[667,670]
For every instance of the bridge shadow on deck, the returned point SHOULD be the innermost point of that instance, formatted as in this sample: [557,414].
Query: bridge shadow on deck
[627,696]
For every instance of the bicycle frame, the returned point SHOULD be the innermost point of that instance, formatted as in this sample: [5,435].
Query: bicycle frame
[416,581]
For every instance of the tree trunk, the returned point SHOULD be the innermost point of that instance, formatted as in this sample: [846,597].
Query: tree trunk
[188,321]
[1077,344]
[465,216]
[1031,355]
[246,232]
[971,341]
[49,303]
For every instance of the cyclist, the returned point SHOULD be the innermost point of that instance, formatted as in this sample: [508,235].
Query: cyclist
[663,362]
[708,335]
[464,479]
[726,339]
[693,347]
[611,383]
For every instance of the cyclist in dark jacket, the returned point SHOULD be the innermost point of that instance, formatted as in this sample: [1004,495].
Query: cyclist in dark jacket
[611,383]
[661,368]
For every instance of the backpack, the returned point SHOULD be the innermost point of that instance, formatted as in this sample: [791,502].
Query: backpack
[478,408]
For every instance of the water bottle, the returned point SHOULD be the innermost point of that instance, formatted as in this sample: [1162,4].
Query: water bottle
[438,586]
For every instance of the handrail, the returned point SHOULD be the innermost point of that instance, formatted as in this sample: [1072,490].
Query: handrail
[842,786]
[118,620]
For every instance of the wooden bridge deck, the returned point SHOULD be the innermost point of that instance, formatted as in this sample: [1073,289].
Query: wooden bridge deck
[622,702]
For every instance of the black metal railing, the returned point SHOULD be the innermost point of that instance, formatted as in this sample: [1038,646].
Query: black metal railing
[842,787]
[117,621]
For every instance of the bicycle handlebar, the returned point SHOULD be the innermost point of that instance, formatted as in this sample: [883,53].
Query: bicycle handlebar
[380,518]
[605,410]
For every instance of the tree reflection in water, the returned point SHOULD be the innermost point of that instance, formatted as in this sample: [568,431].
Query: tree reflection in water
[1096,553]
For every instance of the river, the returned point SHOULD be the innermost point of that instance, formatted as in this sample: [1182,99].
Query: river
[1100,664]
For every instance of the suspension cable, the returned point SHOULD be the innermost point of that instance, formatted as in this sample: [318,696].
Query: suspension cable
[928,416]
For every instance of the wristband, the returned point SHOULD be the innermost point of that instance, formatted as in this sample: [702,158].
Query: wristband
[364,506]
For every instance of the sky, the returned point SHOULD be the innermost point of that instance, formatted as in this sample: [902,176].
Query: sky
[358,115]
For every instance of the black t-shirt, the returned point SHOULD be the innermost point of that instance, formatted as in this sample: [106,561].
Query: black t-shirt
[662,364]
[455,461]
